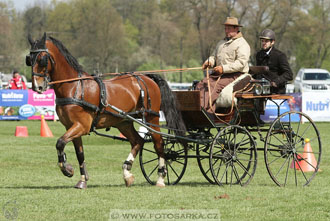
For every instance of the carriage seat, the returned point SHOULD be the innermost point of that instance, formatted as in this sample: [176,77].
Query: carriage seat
[258,70]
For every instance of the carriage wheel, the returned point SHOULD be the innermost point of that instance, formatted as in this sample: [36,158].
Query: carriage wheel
[203,153]
[233,156]
[292,149]
[175,161]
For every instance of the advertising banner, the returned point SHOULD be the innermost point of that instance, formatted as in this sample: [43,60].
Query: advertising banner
[316,105]
[10,103]
[26,104]
[271,111]
[44,104]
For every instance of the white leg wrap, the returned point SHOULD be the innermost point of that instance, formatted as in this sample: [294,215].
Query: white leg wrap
[161,162]
[130,157]
[83,178]
[127,167]
[161,177]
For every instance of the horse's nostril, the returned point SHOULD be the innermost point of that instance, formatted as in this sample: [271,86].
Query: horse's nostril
[40,88]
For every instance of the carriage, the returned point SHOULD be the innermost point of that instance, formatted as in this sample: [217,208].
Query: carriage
[225,147]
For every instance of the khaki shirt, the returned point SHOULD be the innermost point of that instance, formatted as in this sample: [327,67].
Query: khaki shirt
[233,55]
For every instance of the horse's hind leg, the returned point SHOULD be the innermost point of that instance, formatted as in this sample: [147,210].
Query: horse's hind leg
[128,130]
[159,148]
[82,183]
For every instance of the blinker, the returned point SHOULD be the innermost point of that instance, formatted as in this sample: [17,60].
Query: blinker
[43,61]
[28,60]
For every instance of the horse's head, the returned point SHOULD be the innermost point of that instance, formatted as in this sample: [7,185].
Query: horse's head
[41,62]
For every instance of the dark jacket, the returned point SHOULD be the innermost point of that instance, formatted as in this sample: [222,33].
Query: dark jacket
[279,68]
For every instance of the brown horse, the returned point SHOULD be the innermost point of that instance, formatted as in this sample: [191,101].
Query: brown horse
[85,103]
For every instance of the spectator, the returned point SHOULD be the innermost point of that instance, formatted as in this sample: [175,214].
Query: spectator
[16,82]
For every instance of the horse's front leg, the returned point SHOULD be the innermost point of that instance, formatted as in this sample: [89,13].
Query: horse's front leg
[65,167]
[74,133]
[82,183]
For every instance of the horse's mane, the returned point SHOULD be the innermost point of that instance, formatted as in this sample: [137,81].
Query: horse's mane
[72,61]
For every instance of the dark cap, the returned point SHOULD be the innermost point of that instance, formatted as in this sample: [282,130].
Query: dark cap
[267,34]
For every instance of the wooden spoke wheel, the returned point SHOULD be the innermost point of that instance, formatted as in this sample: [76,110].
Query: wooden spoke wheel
[203,155]
[175,161]
[233,156]
[292,149]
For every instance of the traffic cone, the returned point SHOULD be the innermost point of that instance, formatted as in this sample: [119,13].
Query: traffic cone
[44,129]
[299,158]
[122,135]
[21,131]
[307,162]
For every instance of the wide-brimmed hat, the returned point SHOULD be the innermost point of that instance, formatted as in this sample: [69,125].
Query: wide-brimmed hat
[232,21]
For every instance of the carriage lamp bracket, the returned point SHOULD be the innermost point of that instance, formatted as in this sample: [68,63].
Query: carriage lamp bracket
[261,87]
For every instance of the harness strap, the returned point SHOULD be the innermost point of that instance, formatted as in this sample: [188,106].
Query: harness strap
[138,79]
[103,101]
[82,88]
[140,111]
[82,103]
[103,92]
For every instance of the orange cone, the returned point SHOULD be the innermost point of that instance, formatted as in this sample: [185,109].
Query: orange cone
[308,162]
[21,131]
[121,135]
[299,158]
[44,129]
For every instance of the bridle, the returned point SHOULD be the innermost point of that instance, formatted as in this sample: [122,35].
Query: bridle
[31,60]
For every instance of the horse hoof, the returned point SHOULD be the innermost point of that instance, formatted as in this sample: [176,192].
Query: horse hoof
[81,185]
[66,169]
[129,181]
[162,185]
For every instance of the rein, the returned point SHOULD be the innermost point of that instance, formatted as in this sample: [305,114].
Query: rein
[116,74]
[72,79]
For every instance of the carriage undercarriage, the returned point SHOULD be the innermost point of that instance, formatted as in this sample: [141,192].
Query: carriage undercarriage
[226,149]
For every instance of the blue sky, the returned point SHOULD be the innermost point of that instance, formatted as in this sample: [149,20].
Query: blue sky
[20,5]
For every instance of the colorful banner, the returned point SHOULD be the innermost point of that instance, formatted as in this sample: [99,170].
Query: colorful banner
[10,103]
[26,104]
[271,111]
[44,104]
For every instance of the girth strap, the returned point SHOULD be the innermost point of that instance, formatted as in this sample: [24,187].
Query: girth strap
[103,92]
[82,103]
[103,101]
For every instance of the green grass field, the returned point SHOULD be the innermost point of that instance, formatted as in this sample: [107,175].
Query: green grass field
[33,188]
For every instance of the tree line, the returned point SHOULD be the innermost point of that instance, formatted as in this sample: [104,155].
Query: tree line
[131,35]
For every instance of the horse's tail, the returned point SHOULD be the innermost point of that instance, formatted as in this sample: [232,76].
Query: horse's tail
[169,105]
